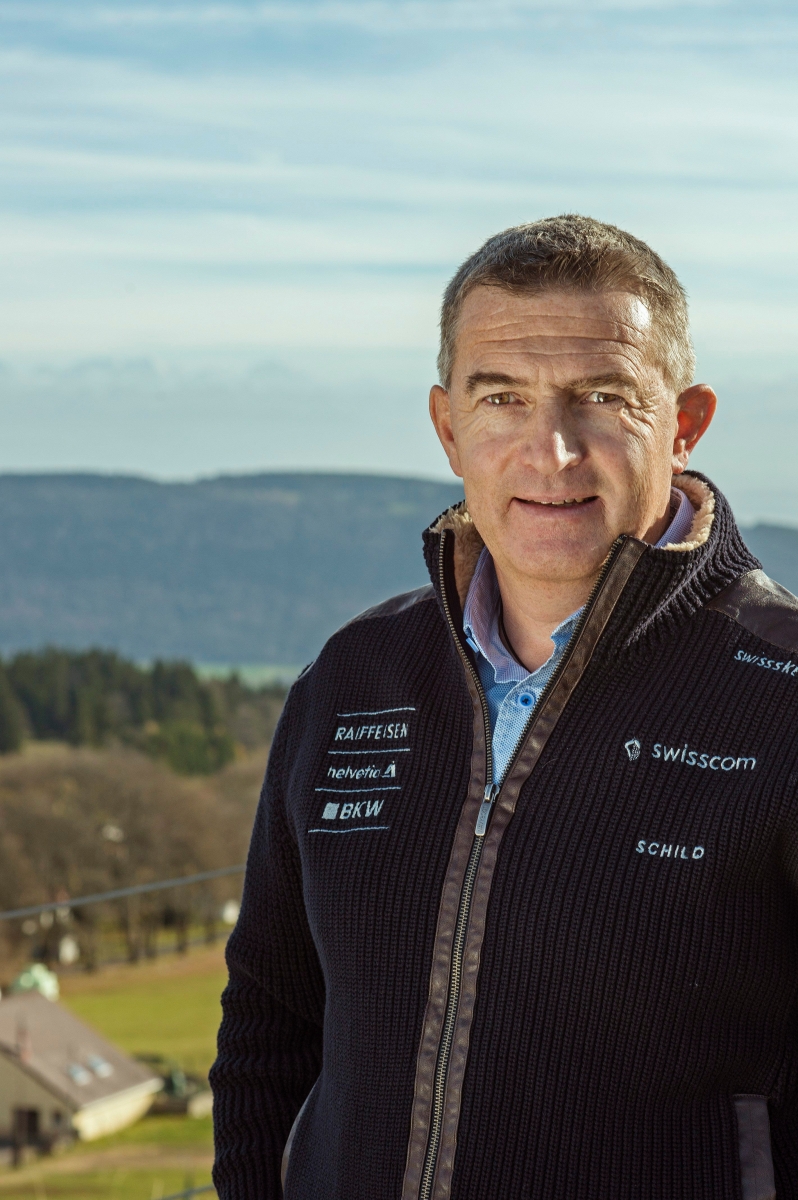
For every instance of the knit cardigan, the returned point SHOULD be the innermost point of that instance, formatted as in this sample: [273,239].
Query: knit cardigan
[583,987]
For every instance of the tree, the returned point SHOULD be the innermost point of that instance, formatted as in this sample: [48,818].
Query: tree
[96,698]
[12,721]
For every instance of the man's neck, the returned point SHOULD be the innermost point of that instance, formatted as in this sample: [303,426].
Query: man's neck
[531,613]
[532,609]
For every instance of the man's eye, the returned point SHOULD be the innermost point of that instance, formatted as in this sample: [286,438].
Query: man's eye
[604,398]
[499,398]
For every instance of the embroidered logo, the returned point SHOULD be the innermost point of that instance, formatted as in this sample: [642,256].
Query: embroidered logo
[691,758]
[385,731]
[353,810]
[769,664]
[671,850]
[372,771]
[694,758]
[360,778]
[632,748]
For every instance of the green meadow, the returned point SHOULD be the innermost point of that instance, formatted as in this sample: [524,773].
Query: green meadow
[169,1007]
[158,1156]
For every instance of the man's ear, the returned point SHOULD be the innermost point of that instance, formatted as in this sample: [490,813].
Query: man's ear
[695,408]
[441,412]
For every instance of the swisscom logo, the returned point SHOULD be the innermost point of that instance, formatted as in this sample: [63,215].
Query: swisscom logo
[685,756]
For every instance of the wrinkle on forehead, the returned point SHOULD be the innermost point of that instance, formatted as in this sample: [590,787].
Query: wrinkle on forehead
[499,328]
[487,300]
[550,344]
[512,326]
[529,359]
[609,316]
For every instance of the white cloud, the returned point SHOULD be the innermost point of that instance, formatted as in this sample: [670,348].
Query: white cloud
[183,180]
[376,16]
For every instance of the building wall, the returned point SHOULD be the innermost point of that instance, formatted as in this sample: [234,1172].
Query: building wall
[20,1090]
[106,1116]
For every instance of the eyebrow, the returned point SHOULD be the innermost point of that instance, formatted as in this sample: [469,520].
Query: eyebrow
[588,383]
[491,379]
[599,382]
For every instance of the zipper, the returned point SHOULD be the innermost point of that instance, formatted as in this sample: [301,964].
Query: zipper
[468,664]
[577,629]
[492,792]
[450,1016]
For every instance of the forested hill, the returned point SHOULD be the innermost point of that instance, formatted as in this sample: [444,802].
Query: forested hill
[254,569]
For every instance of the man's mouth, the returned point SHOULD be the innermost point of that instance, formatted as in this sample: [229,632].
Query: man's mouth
[566,502]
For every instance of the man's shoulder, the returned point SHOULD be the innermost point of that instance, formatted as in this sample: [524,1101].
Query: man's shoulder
[404,605]
[394,606]
[375,648]
[761,606]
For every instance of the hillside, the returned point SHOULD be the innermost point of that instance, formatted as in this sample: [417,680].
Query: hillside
[248,569]
[256,569]
[776,546]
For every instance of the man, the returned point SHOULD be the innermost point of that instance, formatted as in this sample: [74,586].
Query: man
[520,911]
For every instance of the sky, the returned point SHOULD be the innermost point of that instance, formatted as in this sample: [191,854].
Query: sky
[225,227]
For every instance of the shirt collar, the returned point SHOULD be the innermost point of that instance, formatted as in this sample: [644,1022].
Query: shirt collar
[481,612]
[681,521]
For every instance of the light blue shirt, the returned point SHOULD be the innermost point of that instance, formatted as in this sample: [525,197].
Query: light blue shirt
[512,691]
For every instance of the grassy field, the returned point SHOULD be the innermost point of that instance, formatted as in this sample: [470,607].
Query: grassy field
[152,1159]
[169,1007]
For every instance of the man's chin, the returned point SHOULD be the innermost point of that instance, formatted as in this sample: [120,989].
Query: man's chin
[559,570]
[556,555]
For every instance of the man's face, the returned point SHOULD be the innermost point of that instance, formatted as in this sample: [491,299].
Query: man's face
[563,428]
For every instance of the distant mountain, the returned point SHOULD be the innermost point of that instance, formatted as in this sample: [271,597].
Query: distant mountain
[776,547]
[240,569]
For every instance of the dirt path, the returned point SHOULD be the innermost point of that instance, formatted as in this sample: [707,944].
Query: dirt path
[198,961]
[130,1158]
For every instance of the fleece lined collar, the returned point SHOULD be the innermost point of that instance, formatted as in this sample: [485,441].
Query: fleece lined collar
[669,583]
[469,543]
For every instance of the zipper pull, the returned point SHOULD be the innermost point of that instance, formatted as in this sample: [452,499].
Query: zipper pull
[491,792]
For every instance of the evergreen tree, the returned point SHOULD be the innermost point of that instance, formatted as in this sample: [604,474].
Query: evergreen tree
[95,698]
[11,717]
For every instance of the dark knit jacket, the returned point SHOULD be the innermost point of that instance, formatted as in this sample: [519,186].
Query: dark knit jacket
[582,989]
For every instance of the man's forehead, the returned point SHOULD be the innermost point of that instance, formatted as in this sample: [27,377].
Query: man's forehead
[494,319]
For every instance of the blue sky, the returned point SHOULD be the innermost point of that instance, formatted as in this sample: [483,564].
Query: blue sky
[226,226]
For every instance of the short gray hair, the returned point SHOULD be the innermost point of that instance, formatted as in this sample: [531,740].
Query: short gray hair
[576,253]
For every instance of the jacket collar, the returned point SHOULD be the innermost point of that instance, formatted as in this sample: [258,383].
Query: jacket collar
[667,585]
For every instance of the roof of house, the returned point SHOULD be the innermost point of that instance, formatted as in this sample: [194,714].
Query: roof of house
[66,1056]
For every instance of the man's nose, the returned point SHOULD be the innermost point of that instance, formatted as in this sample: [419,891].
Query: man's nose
[551,443]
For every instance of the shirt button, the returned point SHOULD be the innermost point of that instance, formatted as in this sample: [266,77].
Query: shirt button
[525,699]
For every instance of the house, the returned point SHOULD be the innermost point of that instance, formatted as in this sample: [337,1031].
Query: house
[60,1079]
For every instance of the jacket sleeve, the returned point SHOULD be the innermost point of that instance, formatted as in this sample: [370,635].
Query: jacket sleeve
[269,1046]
